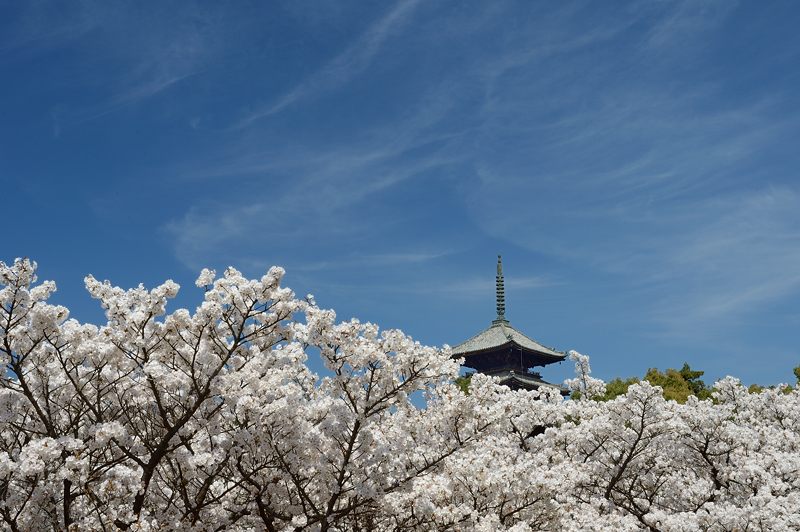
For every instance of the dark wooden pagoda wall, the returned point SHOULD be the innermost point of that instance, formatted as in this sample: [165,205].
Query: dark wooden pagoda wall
[506,358]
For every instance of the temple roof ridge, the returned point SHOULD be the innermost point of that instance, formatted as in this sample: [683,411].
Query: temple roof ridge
[500,333]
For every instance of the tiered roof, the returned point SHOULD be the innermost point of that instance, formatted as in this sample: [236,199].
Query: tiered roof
[529,381]
[502,334]
[503,351]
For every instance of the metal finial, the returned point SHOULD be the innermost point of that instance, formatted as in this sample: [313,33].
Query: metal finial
[501,293]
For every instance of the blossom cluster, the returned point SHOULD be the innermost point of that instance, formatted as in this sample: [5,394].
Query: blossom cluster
[214,420]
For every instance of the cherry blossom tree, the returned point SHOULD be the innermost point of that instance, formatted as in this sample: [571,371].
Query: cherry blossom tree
[584,385]
[214,420]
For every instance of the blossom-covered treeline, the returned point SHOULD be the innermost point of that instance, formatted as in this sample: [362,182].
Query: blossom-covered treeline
[212,420]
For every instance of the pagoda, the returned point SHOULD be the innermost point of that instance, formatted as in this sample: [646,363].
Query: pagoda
[502,351]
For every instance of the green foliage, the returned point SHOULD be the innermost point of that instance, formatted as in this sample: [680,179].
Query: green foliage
[617,387]
[678,385]
[755,388]
[692,378]
[674,385]
[463,382]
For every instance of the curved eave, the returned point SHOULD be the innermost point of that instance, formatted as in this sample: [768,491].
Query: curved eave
[539,354]
[532,381]
[510,343]
[500,335]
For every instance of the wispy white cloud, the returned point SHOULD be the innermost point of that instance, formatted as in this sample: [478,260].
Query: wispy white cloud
[740,254]
[143,90]
[672,220]
[453,289]
[354,60]
[686,21]
[369,260]
[40,26]
[136,54]
[315,193]
[659,176]
[482,286]
[578,159]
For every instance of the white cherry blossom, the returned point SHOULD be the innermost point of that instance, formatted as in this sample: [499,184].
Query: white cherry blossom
[214,420]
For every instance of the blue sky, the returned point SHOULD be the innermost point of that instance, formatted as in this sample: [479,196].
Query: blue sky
[634,162]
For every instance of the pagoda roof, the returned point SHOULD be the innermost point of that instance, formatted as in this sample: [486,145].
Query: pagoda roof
[527,380]
[501,334]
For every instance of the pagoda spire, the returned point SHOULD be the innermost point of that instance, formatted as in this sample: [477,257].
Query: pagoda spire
[503,352]
[500,293]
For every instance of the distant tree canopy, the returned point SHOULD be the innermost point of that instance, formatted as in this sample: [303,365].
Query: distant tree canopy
[615,388]
[677,385]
